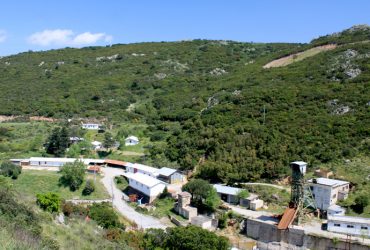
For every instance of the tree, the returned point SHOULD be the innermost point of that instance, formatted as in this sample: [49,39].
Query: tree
[242,194]
[57,142]
[212,200]
[204,196]
[49,202]
[9,169]
[73,174]
[104,215]
[89,188]
[108,140]
[361,201]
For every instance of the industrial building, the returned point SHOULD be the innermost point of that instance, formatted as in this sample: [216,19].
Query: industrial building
[145,185]
[327,192]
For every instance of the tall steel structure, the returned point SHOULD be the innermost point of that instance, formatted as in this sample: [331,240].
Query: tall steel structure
[298,187]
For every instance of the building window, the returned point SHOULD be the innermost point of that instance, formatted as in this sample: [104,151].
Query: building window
[337,225]
[364,228]
[350,226]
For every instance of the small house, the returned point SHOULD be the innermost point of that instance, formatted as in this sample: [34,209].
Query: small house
[91,126]
[256,204]
[145,185]
[327,192]
[171,175]
[131,141]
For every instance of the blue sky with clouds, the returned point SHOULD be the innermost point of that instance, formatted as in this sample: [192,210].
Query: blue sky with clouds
[41,25]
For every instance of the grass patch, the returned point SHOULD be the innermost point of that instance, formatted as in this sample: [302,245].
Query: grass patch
[32,182]
[163,208]
[121,183]
[275,198]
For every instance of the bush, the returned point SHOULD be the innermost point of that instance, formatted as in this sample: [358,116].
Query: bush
[89,188]
[49,202]
[9,169]
[105,216]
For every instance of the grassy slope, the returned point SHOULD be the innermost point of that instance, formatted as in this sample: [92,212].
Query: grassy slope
[32,182]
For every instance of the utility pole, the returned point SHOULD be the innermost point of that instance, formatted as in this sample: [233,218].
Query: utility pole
[111,184]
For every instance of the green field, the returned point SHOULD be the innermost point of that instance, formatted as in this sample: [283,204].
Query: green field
[32,182]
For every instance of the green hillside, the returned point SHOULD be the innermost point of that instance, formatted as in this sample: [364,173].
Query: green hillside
[210,103]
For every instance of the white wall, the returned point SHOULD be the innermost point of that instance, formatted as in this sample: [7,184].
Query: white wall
[151,192]
[341,227]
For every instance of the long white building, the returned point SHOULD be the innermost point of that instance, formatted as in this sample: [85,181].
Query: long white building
[143,169]
[53,162]
[145,184]
[327,192]
[349,225]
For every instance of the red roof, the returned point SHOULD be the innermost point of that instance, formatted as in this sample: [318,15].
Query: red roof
[94,168]
[115,162]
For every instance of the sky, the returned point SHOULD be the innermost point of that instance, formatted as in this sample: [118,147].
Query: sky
[42,25]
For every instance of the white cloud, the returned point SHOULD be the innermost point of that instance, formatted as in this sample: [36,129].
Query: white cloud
[3,36]
[67,38]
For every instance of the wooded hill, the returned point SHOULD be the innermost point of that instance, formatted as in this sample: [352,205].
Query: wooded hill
[211,102]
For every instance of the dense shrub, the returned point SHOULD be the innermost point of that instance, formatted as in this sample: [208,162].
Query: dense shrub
[9,169]
[89,188]
[50,202]
[104,215]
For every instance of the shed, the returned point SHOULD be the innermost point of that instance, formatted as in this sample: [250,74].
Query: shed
[202,221]
[171,175]
[256,204]
[228,194]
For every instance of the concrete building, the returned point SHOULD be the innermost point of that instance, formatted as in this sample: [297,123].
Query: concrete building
[202,221]
[183,206]
[146,185]
[327,192]
[131,141]
[349,225]
[143,169]
[171,175]
[91,126]
[256,204]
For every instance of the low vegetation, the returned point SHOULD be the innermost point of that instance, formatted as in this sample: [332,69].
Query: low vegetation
[32,182]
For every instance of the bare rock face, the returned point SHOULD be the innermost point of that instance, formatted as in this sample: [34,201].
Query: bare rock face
[345,63]
[218,72]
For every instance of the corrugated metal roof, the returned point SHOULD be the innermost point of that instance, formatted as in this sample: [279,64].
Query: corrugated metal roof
[328,182]
[144,168]
[115,162]
[65,160]
[144,179]
[287,219]
[166,171]
[226,189]
[335,208]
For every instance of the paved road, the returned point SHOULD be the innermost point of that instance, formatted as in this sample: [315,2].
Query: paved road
[249,213]
[143,221]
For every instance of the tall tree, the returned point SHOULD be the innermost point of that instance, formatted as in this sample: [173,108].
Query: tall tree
[58,141]
[108,140]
